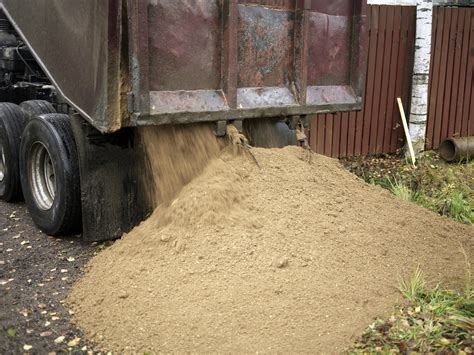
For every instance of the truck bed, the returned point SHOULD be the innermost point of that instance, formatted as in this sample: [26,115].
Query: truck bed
[151,62]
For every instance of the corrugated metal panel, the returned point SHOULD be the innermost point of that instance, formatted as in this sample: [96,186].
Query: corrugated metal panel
[451,98]
[377,128]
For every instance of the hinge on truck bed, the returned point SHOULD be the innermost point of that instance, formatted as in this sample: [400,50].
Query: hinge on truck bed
[130,102]
[220,128]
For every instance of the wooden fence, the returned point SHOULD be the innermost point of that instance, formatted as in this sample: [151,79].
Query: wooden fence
[451,95]
[377,128]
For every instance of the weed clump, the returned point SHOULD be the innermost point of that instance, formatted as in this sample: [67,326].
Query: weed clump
[413,288]
[431,321]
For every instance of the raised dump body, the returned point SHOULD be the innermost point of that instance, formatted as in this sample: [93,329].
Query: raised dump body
[151,62]
[78,75]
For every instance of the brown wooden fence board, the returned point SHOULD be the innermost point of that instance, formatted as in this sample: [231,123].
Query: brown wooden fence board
[374,123]
[329,133]
[450,71]
[451,92]
[352,134]
[456,72]
[446,23]
[321,134]
[438,17]
[378,83]
[377,128]
[392,79]
[399,80]
[408,22]
[463,72]
[374,34]
[344,130]
[469,116]
[336,134]
[470,128]
[385,102]
[410,17]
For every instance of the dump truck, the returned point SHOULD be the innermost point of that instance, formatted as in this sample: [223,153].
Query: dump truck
[78,77]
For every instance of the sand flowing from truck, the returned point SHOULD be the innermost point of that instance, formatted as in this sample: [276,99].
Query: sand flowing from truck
[176,155]
[297,255]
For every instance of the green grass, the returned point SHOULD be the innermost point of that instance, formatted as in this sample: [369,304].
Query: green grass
[447,189]
[457,207]
[431,321]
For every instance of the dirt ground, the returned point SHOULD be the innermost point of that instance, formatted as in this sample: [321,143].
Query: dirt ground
[294,254]
[36,273]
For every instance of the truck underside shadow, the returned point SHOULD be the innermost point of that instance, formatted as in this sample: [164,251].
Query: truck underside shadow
[113,181]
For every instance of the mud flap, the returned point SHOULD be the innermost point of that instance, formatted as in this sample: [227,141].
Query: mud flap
[113,175]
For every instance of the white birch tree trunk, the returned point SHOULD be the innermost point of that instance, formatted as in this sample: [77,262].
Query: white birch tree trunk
[421,74]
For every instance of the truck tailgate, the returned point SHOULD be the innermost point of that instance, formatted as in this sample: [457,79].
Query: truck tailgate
[214,60]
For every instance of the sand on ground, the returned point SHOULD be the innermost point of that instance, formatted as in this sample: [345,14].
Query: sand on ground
[293,255]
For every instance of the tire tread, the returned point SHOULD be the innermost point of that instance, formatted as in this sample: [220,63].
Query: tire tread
[13,118]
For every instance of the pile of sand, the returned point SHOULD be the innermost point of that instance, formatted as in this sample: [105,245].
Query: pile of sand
[295,256]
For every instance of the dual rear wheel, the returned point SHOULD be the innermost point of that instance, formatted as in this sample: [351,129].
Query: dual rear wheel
[38,159]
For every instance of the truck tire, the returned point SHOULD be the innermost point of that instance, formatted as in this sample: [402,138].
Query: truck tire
[34,108]
[11,121]
[49,170]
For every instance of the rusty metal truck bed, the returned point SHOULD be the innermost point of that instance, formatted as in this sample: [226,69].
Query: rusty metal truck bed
[149,62]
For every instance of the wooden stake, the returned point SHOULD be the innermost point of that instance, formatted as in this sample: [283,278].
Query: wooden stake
[407,132]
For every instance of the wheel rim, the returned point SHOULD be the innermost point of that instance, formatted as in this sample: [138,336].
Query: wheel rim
[42,176]
[2,163]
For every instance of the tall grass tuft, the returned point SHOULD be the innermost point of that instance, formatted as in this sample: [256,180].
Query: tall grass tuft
[401,190]
[414,287]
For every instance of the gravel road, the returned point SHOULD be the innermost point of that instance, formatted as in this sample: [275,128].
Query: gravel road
[36,273]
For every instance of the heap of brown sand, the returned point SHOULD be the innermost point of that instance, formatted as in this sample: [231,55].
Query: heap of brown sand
[295,256]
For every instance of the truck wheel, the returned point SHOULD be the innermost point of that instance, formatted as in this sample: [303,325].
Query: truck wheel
[33,108]
[50,174]
[11,121]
